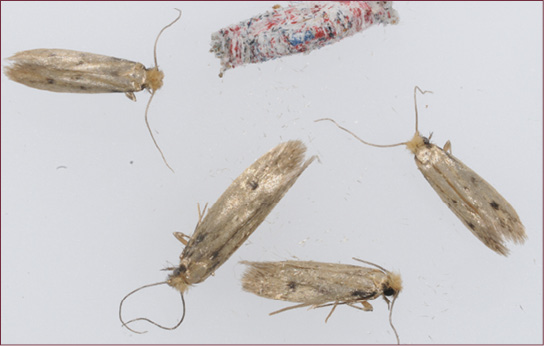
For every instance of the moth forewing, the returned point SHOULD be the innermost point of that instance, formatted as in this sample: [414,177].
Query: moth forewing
[63,70]
[472,199]
[311,282]
[238,212]
[317,284]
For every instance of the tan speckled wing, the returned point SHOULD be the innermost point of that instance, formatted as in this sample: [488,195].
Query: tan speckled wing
[479,206]
[313,283]
[239,211]
[62,70]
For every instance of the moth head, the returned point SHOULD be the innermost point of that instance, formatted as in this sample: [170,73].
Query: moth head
[153,79]
[416,142]
[177,279]
[393,285]
[390,287]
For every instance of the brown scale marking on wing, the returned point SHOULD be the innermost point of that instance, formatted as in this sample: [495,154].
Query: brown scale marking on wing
[254,185]
[218,251]
[214,254]
[199,239]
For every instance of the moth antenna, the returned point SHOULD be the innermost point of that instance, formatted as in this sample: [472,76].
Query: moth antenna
[416,88]
[374,264]
[151,132]
[125,324]
[158,325]
[159,35]
[391,319]
[153,89]
[359,139]
[388,302]
[128,295]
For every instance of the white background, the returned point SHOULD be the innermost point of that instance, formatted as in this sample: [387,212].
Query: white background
[76,239]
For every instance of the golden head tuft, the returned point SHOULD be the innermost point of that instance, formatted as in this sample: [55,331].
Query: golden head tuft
[154,79]
[394,281]
[415,143]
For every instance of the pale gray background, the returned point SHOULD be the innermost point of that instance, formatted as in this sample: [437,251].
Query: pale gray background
[75,240]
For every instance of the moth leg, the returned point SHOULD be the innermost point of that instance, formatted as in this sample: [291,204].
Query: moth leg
[289,308]
[131,95]
[181,237]
[200,214]
[366,306]
[447,147]
[332,310]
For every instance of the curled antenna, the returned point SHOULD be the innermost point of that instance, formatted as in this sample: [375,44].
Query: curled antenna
[159,35]
[416,88]
[125,324]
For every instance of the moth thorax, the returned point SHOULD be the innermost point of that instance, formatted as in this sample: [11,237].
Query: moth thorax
[393,284]
[153,78]
[416,143]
